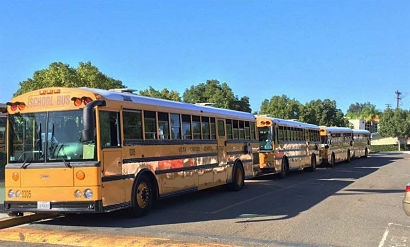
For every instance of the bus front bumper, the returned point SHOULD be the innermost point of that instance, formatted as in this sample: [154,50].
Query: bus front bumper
[55,207]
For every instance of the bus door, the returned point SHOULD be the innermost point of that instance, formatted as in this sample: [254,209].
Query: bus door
[220,174]
[111,159]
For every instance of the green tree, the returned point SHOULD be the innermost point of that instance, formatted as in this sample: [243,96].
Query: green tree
[281,107]
[395,123]
[364,111]
[62,75]
[323,113]
[163,94]
[220,95]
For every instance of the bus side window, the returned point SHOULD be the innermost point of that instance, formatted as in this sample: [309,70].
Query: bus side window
[175,126]
[186,127]
[221,128]
[150,125]
[132,122]
[110,129]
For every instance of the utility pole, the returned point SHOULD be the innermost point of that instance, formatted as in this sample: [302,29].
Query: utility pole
[398,98]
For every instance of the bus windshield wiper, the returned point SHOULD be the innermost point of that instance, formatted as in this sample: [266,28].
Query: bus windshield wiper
[26,164]
[67,164]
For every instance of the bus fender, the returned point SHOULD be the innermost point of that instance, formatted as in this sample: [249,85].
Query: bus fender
[147,172]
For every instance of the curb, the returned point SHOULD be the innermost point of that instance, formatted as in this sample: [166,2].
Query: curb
[19,220]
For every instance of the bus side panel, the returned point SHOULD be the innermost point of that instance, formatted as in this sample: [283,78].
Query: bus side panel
[116,192]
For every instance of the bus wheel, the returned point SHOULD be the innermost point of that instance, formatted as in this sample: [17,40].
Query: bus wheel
[332,160]
[348,155]
[284,169]
[13,214]
[142,196]
[313,163]
[366,153]
[238,178]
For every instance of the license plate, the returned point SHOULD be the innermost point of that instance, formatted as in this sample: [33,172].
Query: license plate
[43,205]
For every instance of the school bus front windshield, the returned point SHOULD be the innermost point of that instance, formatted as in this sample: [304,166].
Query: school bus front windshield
[48,137]
[265,138]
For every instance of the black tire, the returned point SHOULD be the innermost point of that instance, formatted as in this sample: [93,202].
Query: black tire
[284,169]
[15,214]
[143,196]
[332,160]
[313,163]
[238,178]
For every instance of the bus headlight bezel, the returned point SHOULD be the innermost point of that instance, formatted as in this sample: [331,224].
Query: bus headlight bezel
[88,193]
[11,194]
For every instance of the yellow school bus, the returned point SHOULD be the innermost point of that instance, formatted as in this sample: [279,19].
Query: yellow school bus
[286,145]
[336,144]
[361,143]
[77,150]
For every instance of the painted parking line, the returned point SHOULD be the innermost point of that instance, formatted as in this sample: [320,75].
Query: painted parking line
[396,235]
[22,235]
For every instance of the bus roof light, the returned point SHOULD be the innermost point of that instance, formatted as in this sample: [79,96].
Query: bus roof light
[77,101]
[86,100]
[16,105]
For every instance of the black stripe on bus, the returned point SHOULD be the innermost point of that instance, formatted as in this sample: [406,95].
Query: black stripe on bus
[187,168]
[236,152]
[168,142]
[169,157]
[232,162]
[293,157]
[117,177]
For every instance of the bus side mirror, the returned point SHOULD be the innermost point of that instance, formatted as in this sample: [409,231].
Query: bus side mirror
[88,133]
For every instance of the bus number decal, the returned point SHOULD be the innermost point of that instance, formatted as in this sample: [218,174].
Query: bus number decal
[26,193]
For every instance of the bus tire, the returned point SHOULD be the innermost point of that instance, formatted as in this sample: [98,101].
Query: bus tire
[332,160]
[143,196]
[313,163]
[238,177]
[366,153]
[348,156]
[15,214]
[284,168]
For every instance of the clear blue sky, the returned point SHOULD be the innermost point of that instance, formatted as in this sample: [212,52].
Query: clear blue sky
[348,51]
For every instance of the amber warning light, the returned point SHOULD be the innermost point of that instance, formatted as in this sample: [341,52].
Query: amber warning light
[79,101]
[16,105]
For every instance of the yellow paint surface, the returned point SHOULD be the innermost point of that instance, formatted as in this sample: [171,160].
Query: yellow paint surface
[22,235]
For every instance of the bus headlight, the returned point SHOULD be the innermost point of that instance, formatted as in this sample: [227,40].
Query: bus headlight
[78,194]
[11,194]
[88,193]
[18,193]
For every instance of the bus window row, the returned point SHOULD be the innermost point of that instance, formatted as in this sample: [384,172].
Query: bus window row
[286,133]
[151,125]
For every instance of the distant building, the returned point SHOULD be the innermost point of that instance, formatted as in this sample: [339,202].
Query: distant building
[362,124]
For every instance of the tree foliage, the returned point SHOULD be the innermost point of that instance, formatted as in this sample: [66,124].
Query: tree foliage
[364,111]
[323,113]
[220,95]
[62,75]
[163,94]
[395,123]
[281,107]
[315,112]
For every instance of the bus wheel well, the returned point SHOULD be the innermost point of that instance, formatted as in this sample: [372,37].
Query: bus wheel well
[332,160]
[238,176]
[144,193]
[153,180]
[284,167]
[313,163]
